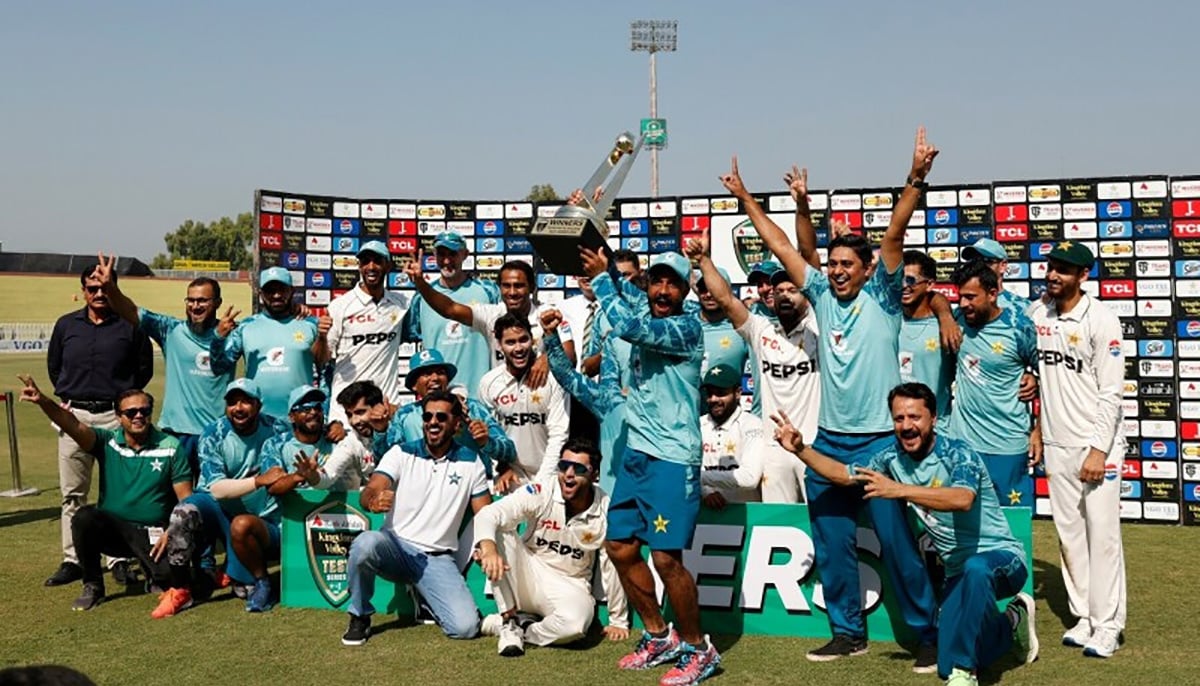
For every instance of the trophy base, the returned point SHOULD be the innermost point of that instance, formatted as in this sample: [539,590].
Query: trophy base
[557,241]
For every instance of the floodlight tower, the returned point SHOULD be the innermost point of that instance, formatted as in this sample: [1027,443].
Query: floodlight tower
[653,36]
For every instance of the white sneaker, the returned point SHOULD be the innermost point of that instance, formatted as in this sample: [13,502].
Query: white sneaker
[1078,635]
[1104,643]
[491,625]
[512,640]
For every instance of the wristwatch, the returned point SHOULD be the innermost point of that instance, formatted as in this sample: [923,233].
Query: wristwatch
[918,184]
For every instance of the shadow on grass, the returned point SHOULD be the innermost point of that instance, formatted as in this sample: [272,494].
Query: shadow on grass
[1048,584]
[20,517]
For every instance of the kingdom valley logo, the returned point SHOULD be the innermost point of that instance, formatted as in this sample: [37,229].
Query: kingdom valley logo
[748,246]
[328,532]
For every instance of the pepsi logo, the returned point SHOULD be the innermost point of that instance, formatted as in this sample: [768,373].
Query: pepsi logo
[346,226]
[1158,449]
[489,228]
[318,279]
[1113,209]
[941,217]
[1193,328]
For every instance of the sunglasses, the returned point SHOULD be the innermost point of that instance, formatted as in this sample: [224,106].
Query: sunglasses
[197,301]
[307,408]
[565,466]
[131,412]
[913,282]
[93,289]
[440,416]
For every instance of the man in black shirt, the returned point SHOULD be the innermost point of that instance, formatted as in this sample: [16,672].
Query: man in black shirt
[94,356]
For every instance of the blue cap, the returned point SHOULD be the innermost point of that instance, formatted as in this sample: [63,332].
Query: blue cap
[720,270]
[675,262]
[303,394]
[377,247]
[279,274]
[984,249]
[722,376]
[244,385]
[424,360]
[763,270]
[450,241]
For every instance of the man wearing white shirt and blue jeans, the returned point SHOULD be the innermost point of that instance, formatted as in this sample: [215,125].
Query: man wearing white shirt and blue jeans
[424,487]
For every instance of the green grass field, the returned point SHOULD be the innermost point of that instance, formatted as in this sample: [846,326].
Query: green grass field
[218,642]
[27,298]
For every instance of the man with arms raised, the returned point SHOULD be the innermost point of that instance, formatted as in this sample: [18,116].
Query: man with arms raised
[858,315]
[786,351]
[534,418]
[282,349]
[424,487]
[656,499]
[1082,371]
[364,329]
[547,571]
[143,473]
[945,482]
[468,350]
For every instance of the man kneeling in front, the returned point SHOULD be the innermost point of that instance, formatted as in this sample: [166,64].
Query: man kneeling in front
[424,487]
[948,486]
[547,571]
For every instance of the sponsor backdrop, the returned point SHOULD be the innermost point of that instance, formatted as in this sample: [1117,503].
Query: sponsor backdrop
[753,563]
[1145,232]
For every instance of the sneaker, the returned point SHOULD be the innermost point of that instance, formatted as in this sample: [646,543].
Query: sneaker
[926,659]
[66,573]
[423,613]
[840,646]
[491,625]
[358,632]
[93,595]
[120,572]
[260,597]
[961,677]
[1025,640]
[693,665]
[242,591]
[172,602]
[1078,635]
[1104,643]
[651,651]
[512,640]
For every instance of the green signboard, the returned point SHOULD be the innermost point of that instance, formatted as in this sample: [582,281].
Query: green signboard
[753,565]
[655,132]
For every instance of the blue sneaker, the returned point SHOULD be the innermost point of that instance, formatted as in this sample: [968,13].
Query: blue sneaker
[260,596]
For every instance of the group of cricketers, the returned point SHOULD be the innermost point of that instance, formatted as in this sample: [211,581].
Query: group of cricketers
[581,433]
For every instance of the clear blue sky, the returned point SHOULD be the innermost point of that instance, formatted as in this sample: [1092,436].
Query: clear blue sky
[121,120]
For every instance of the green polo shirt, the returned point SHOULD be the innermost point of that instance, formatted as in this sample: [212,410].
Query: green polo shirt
[137,486]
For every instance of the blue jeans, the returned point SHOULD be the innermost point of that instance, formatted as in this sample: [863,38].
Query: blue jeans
[833,512]
[216,524]
[973,632]
[1010,475]
[436,577]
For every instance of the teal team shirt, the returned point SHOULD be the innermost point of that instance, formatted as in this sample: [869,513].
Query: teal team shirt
[956,535]
[1011,301]
[991,360]
[663,406]
[278,356]
[282,449]
[722,345]
[226,454]
[460,345]
[922,360]
[858,348]
[193,393]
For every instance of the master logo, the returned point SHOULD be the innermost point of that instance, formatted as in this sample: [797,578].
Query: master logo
[328,532]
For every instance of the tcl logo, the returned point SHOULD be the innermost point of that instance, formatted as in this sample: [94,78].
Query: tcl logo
[1186,229]
[270,240]
[1131,469]
[402,245]
[948,290]
[1116,289]
[1012,232]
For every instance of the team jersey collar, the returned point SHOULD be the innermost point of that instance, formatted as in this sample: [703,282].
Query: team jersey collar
[1078,312]
[156,438]
[594,510]
[730,420]
[421,450]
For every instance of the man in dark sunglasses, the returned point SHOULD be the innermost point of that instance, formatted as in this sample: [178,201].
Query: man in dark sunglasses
[93,357]
[547,571]
[144,474]
[304,451]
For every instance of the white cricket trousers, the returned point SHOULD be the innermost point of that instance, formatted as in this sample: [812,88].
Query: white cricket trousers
[564,603]
[1088,519]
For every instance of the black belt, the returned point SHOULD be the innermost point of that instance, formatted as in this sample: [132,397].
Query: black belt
[93,406]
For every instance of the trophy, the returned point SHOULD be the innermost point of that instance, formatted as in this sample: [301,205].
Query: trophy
[557,239]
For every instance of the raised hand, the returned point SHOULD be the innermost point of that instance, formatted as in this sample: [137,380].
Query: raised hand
[379,416]
[697,247]
[228,322]
[733,181]
[797,181]
[306,467]
[576,197]
[30,393]
[923,154]
[413,269]
[595,262]
[324,324]
[478,430]
[788,436]
[550,320]
[837,227]
[104,270]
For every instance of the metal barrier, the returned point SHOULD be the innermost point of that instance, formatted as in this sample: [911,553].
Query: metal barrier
[11,420]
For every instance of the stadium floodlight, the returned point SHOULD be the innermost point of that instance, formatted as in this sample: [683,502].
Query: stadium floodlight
[653,36]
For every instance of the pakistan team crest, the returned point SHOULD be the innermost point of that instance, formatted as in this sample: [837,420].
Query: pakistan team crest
[329,530]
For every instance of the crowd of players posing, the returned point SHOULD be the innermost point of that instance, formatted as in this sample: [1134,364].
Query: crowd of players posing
[604,422]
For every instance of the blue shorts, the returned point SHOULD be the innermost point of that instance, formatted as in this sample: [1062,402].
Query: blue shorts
[654,501]
[1010,477]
